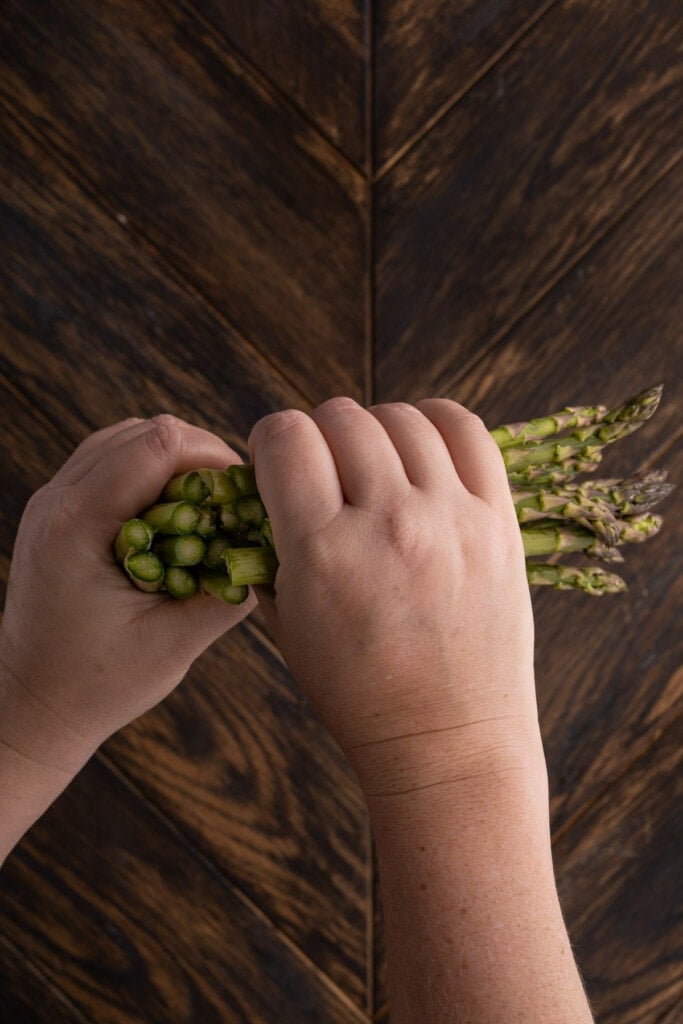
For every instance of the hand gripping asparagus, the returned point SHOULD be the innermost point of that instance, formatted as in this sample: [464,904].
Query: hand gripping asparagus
[211,532]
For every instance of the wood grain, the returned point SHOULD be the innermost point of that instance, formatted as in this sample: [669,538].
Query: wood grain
[316,53]
[426,54]
[78,294]
[619,882]
[243,197]
[95,330]
[80,894]
[27,997]
[526,172]
[239,762]
[608,329]
[189,224]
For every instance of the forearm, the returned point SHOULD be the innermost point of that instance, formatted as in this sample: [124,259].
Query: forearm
[474,930]
[38,759]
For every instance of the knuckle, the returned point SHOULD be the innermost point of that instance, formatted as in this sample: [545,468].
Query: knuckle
[63,515]
[282,422]
[165,439]
[339,403]
[400,530]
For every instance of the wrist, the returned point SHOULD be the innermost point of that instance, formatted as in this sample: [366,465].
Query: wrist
[38,759]
[452,763]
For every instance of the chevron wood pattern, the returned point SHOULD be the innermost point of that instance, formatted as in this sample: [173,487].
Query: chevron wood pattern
[220,210]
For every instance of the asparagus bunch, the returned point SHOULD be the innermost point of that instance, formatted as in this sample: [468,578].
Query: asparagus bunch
[211,531]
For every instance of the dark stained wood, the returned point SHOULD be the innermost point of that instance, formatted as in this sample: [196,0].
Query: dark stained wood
[619,881]
[315,52]
[79,894]
[427,55]
[508,189]
[26,997]
[95,330]
[242,196]
[284,816]
[237,759]
[609,328]
[183,229]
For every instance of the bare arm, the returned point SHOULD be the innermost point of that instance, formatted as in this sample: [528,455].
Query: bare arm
[81,652]
[401,606]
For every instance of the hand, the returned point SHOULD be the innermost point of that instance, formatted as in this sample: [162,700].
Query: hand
[82,652]
[401,603]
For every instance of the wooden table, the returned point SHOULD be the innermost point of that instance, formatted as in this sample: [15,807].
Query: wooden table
[221,209]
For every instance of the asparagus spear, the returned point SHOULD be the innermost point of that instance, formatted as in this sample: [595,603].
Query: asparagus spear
[179,582]
[591,579]
[218,585]
[144,570]
[172,517]
[187,549]
[250,565]
[135,535]
[622,420]
[548,426]
[186,487]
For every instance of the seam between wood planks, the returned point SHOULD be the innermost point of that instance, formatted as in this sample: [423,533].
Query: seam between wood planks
[228,883]
[453,100]
[649,743]
[370,287]
[162,262]
[369,398]
[46,982]
[258,76]
[502,333]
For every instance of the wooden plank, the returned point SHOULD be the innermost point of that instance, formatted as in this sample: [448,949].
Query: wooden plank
[426,54]
[93,331]
[134,926]
[239,761]
[314,52]
[94,328]
[236,191]
[609,328]
[27,998]
[518,180]
[619,882]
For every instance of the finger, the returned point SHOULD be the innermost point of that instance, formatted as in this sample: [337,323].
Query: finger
[421,448]
[475,454]
[83,456]
[368,465]
[295,473]
[131,477]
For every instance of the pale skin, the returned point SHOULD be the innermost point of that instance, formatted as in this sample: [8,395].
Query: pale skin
[412,638]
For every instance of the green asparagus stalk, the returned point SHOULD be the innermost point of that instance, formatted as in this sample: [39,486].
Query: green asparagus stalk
[213,559]
[228,484]
[218,585]
[250,565]
[206,526]
[187,549]
[622,420]
[135,535]
[548,426]
[187,487]
[591,579]
[591,514]
[173,517]
[144,570]
[180,582]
